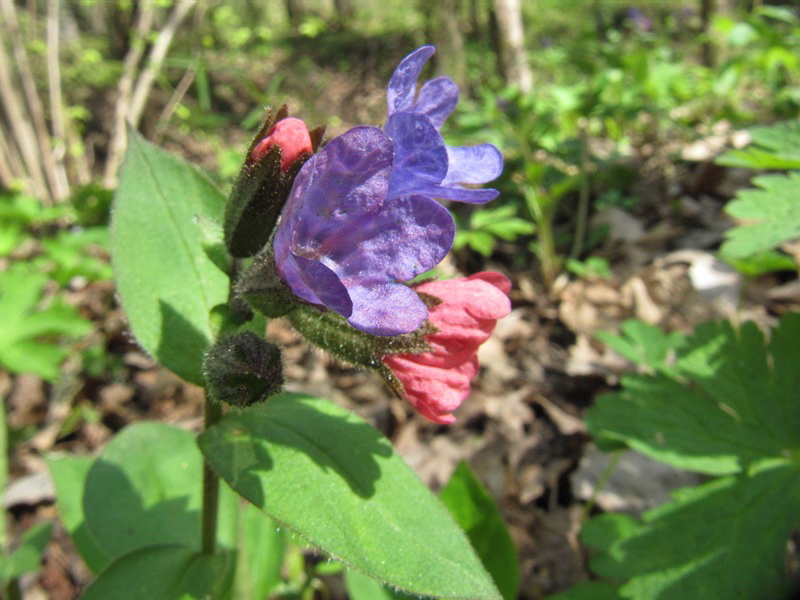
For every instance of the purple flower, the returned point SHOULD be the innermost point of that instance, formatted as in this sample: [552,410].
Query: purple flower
[362,218]
[346,243]
[423,163]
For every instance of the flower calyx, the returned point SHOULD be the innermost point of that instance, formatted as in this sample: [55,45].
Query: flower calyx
[262,288]
[243,369]
[273,160]
[331,332]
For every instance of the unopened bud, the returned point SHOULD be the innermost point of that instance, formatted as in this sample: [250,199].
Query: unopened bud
[243,369]
[291,136]
[273,160]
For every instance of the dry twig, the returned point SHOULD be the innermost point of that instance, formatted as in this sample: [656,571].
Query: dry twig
[133,96]
[56,102]
[55,188]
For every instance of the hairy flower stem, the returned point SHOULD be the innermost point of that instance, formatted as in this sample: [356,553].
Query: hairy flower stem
[212,414]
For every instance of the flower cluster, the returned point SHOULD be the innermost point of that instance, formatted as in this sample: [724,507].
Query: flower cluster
[363,219]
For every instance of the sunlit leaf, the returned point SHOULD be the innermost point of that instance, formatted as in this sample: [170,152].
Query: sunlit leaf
[165,278]
[334,480]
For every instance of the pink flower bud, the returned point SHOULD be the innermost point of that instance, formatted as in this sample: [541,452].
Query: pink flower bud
[437,382]
[291,135]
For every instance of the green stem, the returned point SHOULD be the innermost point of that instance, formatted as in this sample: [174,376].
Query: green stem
[602,481]
[542,210]
[13,591]
[547,252]
[583,196]
[212,413]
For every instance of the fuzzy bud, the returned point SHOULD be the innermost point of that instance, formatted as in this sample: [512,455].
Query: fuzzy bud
[243,369]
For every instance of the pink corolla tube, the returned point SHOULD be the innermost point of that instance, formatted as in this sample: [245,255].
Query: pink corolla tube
[437,382]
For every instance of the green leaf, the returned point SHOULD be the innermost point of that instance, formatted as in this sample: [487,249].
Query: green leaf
[473,508]
[764,262]
[703,543]
[28,556]
[333,479]
[68,254]
[593,266]
[144,489]
[644,344]
[361,587]
[166,572]
[260,549]
[733,403]
[166,280]
[774,211]
[773,147]
[590,590]
[603,530]
[30,335]
[69,476]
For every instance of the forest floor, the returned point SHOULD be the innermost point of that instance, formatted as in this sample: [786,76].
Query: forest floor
[521,430]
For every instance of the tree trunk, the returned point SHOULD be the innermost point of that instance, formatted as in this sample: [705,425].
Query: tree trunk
[295,11]
[344,11]
[444,29]
[513,60]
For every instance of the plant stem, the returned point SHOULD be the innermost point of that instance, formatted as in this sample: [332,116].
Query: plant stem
[12,590]
[212,414]
[602,481]
[583,197]
[542,210]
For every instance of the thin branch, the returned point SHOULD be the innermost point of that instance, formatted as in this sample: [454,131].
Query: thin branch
[157,54]
[144,83]
[119,140]
[56,102]
[33,102]
[175,100]
[23,134]
[9,162]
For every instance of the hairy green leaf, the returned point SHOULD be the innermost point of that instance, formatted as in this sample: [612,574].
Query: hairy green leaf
[333,479]
[166,280]
[69,475]
[166,572]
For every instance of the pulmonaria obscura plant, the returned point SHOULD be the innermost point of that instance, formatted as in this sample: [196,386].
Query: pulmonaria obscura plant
[331,237]
[363,219]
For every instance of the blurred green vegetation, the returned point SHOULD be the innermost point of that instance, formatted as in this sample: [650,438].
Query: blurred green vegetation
[619,88]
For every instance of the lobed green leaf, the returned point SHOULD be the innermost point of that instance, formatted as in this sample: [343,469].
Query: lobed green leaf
[732,403]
